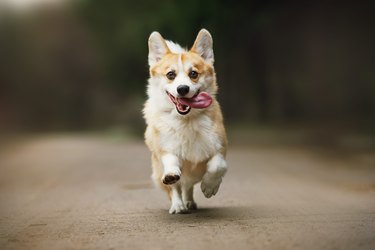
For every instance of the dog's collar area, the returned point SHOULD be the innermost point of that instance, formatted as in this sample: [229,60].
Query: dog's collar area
[181,108]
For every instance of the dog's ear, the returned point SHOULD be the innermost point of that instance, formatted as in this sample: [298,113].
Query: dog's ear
[157,48]
[203,46]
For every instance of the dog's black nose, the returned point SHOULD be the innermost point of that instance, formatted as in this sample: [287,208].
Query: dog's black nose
[183,90]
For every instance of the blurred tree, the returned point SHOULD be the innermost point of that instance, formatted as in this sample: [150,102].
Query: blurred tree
[85,66]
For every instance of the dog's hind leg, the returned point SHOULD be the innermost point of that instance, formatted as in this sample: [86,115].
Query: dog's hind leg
[216,168]
[187,189]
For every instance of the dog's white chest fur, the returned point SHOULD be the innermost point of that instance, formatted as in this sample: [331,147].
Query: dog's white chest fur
[193,140]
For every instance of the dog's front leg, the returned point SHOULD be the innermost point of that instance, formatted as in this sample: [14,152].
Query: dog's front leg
[172,173]
[172,168]
[177,206]
[216,168]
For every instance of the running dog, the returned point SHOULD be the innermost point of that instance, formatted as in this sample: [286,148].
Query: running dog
[185,131]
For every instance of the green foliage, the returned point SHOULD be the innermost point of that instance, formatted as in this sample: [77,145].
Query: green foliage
[121,30]
[86,65]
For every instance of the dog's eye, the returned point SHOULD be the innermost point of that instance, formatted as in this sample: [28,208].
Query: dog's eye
[193,74]
[171,75]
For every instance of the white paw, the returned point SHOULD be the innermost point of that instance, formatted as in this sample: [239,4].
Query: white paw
[210,185]
[191,205]
[171,177]
[178,208]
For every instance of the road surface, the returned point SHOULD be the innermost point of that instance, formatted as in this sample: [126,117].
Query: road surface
[91,192]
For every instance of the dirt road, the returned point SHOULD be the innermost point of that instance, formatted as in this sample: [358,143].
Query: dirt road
[77,192]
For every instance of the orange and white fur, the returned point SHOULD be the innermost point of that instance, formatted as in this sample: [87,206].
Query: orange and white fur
[185,131]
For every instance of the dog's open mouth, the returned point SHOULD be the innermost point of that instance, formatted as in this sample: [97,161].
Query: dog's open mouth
[199,101]
[181,108]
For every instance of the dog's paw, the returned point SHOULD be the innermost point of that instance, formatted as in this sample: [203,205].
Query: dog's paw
[210,185]
[171,178]
[178,208]
[191,205]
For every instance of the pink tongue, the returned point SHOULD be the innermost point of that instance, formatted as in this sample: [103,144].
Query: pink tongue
[202,100]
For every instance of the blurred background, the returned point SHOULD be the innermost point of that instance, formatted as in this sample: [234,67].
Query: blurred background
[297,88]
[82,65]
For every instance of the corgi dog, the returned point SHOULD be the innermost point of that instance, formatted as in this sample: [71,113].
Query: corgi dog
[185,131]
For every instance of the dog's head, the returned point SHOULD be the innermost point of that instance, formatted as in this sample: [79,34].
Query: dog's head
[186,78]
